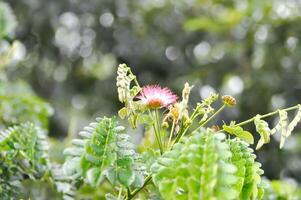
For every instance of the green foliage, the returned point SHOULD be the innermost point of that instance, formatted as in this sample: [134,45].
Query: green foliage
[223,21]
[282,190]
[207,167]
[23,153]
[24,162]
[19,104]
[103,152]
[254,42]
[7,20]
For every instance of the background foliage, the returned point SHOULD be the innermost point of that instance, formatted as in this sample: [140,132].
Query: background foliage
[67,52]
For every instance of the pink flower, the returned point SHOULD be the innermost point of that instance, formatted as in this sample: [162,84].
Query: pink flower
[153,96]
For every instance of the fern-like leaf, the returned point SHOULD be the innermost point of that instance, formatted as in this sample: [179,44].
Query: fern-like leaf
[127,169]
[103,151]
[248,170]
[199,168]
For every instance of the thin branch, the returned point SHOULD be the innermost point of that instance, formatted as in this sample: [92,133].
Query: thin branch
[267,115]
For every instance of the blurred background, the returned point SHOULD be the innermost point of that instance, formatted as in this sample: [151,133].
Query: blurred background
[67,52]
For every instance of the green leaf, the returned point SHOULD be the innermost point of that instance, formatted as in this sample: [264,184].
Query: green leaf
[94,176]
[149,157]
[145,119]
[111,197]
[262,127]
[71,166]
[283,125]
[123,113]
[239,132]
[126,177]
[134,91]
[246,136]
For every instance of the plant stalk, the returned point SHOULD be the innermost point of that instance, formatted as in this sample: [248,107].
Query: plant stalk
[157,117]
[267,115]
[146,181]
[212,116]
[120,193]
[135,79]
[203,124]
[171,134]
[157,131]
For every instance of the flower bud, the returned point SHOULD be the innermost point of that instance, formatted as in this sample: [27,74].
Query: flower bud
[215,128]
[164,125]
[229,100]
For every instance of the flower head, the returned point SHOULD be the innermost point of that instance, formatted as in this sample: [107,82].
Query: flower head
[153,96]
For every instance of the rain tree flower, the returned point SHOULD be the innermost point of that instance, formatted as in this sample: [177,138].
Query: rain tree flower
[154,96]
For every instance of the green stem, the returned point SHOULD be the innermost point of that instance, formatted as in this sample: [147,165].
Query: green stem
[171,134]
[157,118]
[153,116]
[179,136]
[266,115]
[135,79]
[146,181]
[212,116]
[194,114]
[120,193]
